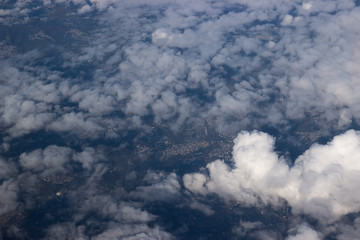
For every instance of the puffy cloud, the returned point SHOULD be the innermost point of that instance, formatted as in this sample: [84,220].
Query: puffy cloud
[55,159]
[51,159]
[84,9]
[320,183]
[88,158]
[7,169]
[161,35]
[304,232]
[8,196]
[77,123]
[288,19]
[93,101]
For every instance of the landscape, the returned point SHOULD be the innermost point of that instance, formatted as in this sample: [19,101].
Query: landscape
[165,119]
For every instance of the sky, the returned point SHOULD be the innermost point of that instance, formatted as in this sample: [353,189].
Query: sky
[104,102]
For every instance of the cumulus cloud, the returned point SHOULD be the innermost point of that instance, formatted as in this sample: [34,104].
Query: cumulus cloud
[304,232]
[7,169]
[320,183]
[288,19]
[58,160]
[88,158]
[78,124]
[8,196]
[51,159]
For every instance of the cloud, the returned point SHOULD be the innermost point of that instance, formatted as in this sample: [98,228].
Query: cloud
[201,207]
[115,231]
[93,101]
[106,207]
[8,196]
[320,183]
[163,188]
[7,169]
[59,160]
[50,160]
[88,158]
[348,231]
[65,231]
[161,35]
[288,19]
[77,123]
[245,227]
[304,232]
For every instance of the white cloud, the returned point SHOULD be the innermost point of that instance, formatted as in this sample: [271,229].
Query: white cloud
[305,232]
[88,158]
[7,169]
[77,123]
[321,182]
[8,196]
[58,160]
[84,9]
[288,19]
[306,5]
[50,160]
[161,35]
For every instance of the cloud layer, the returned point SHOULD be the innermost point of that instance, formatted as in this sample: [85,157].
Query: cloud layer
[258,64]
[87,86]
